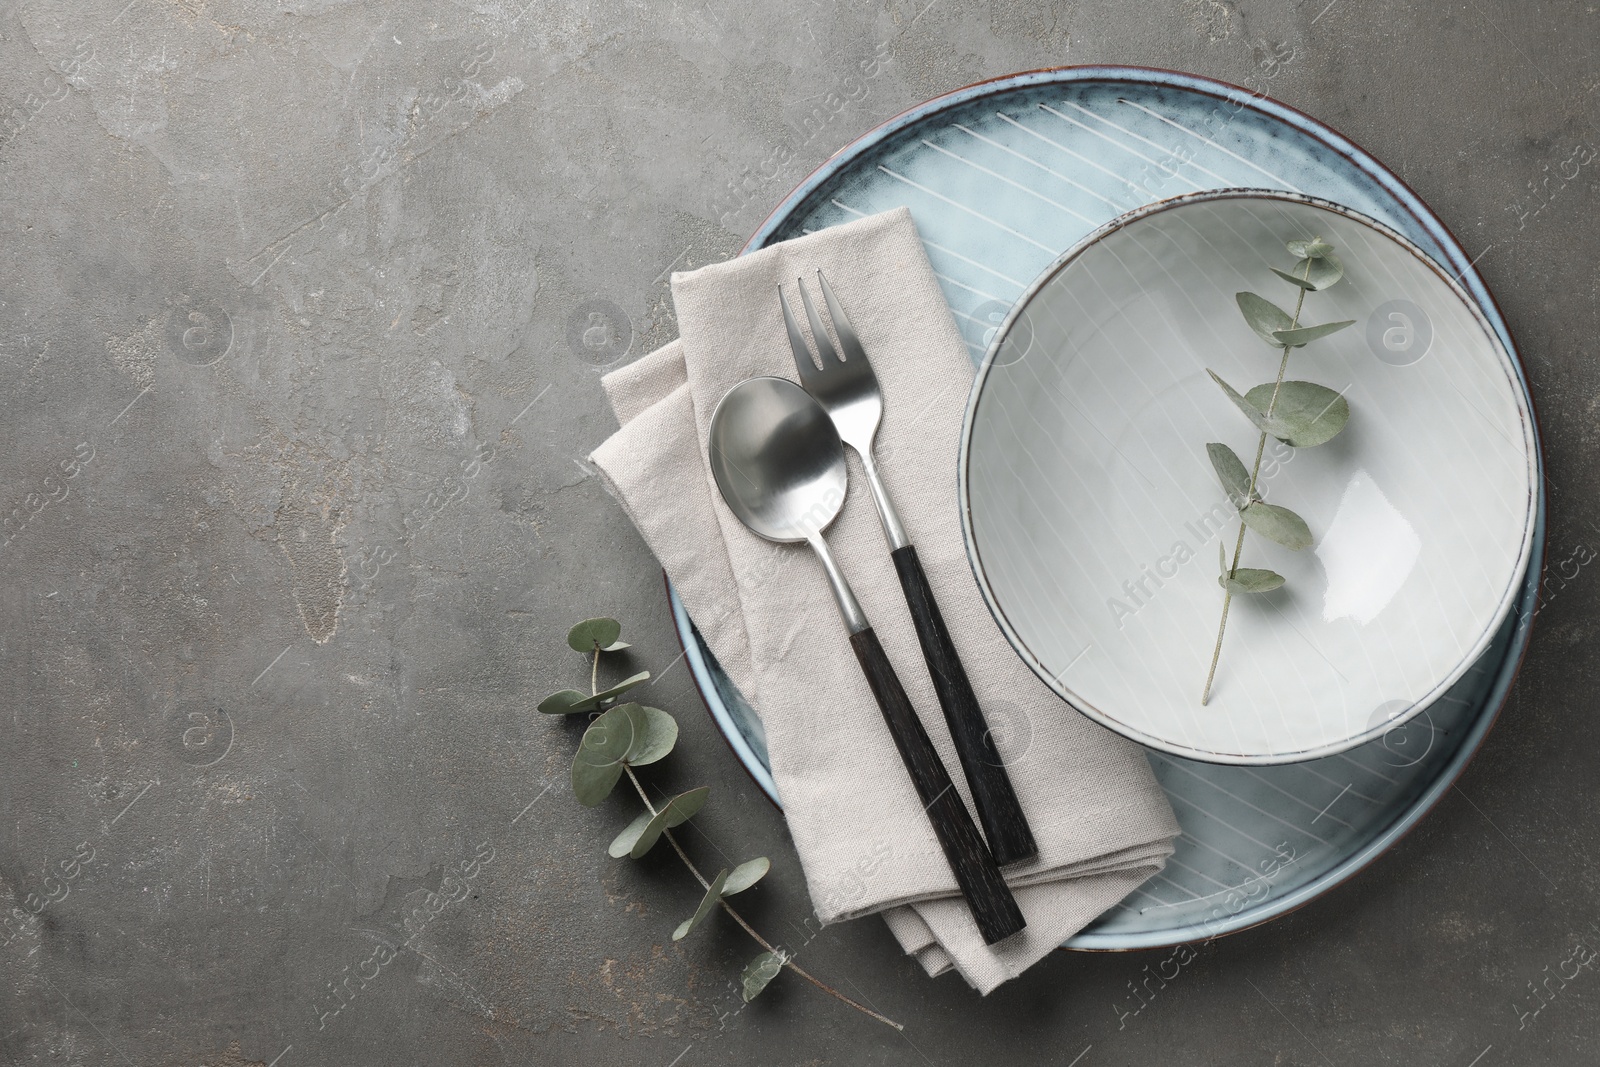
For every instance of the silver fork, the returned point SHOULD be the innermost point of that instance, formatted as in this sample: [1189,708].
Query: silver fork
[848,389]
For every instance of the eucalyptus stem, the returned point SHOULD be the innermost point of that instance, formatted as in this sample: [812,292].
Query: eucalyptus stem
[1255,471]
[788,961]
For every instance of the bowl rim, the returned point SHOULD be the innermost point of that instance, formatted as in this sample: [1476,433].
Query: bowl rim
[1509,597]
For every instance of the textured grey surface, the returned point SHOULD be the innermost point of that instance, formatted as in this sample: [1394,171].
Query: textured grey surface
[302,310]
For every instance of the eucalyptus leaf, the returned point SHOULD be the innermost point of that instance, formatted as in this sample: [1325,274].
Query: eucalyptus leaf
[593,782]
[1277,524]
[621,687]
[1325,270]
[591,634]
[1257,415]
[1312,249]
[1264,317]
[1230,472]
[761,970]
[1306,334]
[569,701]
[1222,561]
[714,893]
[1308,414]
[680,809]
[565,702]
[1314,275]
[746,875]
[623,843]
[626,734]
[1296,279]
[657,735]
[603,750]
[1251,580]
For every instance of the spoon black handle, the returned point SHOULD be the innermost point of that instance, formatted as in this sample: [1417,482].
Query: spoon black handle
[992,904]
[1004,824]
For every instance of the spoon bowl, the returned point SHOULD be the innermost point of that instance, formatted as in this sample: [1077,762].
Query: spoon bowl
[777,459]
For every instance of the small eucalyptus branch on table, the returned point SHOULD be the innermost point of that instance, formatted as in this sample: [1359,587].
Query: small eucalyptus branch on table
[1300,414]
[624,736]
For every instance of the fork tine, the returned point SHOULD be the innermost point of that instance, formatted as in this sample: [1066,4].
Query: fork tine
[797,343]
[825,351]
[848,340]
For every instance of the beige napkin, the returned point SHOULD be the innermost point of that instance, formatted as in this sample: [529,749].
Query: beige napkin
[1102,823]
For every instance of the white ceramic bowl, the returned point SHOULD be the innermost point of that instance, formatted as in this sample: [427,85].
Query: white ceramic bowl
[1093,516]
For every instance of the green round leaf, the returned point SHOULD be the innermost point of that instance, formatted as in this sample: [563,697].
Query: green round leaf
[565,702]
[1251,580]
[605,744]
[569,701]
[1324,271]
[1277,524]
[593,782]
[680,809]
[1306,334]
[1230,472]
[623,843]
[657,734]
[1264,317]
[761,970]
[1296,279]
[714,892]
[621,687]
[1312,249]
[1257,414]
[626,734]
[746,875]
[1314,274]
[1305,414]
[591,634]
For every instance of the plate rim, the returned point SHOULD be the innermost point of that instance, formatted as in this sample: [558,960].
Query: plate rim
[1506,671]
[1481,641]
[1360,158]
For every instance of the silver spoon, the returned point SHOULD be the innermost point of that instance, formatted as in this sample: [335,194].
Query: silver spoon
[779,462]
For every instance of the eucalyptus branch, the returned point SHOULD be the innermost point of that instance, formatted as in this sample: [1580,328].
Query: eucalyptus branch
[1255,472]
[788,960]
[625,736]
[1311,415]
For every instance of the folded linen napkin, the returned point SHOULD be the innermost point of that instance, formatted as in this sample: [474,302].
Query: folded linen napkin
[1102,823]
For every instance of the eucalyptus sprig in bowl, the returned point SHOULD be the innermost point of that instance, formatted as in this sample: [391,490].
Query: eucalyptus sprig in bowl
[1299,414]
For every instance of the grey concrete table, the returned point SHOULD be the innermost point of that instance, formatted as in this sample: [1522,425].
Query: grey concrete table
[303,306]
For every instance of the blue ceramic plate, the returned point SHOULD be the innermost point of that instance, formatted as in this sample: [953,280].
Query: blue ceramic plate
[1003,177]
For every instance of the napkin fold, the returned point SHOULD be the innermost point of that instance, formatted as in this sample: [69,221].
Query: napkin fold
[1102,822]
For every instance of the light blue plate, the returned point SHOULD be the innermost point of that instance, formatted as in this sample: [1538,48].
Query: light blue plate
[1002,178]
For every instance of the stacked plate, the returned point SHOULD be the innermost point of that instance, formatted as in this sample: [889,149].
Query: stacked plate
[1090,227]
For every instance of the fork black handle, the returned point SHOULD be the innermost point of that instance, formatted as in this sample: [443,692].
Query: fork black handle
[1004,824]
[985,890]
